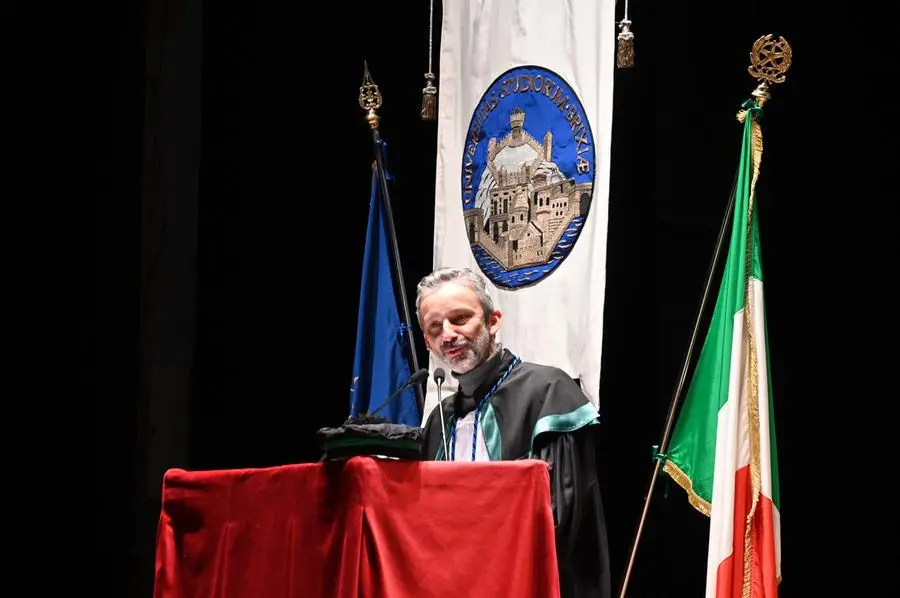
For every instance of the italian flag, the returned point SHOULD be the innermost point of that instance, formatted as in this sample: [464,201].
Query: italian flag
[722,450]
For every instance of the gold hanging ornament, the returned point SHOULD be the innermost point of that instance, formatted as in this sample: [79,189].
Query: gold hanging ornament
[625,46]
[429,92]
[429,99]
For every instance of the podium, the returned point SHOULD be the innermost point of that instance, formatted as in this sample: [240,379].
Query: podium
[362,527]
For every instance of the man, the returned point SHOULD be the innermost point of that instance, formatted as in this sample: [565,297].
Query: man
[509,409]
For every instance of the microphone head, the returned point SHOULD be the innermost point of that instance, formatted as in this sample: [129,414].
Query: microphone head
[439,375]
[419,376]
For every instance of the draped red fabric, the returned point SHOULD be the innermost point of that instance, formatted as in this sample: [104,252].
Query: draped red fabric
[365,527]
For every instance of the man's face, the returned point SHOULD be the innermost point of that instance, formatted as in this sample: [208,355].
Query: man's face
[455,327]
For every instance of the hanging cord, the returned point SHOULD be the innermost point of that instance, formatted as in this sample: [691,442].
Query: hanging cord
[430,32]
[429,92]
[625,48]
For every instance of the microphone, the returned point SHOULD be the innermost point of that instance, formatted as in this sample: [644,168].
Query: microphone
[439,377]
[414,379]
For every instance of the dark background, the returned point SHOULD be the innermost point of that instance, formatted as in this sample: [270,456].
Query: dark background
[225,313]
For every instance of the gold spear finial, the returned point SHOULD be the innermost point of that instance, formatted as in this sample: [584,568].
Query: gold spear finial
[769,61]
[369,97]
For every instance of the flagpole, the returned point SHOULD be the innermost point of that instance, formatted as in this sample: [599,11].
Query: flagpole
[370,100]
[676,396]
[769,62]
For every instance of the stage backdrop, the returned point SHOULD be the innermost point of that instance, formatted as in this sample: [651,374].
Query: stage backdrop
[524,121]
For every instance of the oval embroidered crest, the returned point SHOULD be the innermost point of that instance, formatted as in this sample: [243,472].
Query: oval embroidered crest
[527,176]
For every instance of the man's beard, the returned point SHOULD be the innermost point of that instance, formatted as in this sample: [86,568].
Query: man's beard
[477,350]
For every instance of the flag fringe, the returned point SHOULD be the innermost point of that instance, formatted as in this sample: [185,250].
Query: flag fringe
[753,361]
[683,480]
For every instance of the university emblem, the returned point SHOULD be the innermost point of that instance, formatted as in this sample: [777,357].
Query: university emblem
[528,171]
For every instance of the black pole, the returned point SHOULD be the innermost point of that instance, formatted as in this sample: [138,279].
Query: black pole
[676,397]
[370,100]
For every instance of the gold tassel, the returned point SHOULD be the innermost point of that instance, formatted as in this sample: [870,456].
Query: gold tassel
[429,92]
[625,48]
[429,99]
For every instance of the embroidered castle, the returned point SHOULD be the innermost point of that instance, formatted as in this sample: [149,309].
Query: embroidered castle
[524,202]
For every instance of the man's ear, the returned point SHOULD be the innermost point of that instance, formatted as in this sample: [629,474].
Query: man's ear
[425,340]
[494,321]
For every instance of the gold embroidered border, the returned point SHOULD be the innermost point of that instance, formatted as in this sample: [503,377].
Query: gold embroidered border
[753,357]
[685,482]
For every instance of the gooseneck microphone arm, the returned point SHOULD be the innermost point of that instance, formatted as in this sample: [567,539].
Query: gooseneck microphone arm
[414,379]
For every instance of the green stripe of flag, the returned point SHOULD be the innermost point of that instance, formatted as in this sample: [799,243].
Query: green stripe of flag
[692,450]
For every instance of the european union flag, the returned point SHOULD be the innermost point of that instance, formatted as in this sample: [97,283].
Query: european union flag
[380,365]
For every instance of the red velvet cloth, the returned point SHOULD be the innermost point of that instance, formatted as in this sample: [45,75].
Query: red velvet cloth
[363,527]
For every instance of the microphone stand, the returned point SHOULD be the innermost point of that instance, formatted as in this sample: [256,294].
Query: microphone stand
[439,380]
[370,100]
[670,417]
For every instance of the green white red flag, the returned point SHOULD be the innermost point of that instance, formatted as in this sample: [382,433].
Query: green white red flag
[722,450]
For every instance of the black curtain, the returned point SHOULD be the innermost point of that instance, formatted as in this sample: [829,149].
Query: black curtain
[244,163]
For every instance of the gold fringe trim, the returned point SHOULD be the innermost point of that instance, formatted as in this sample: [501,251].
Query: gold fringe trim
[753,357]
[685,482]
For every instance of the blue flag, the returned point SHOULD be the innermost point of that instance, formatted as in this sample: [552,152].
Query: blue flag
[380,365]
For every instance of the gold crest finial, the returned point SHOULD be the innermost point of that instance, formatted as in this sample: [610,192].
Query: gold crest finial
[769,60]
[369,97]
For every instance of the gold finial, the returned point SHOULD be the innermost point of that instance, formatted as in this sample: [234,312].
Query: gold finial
[369,97]
[769,61]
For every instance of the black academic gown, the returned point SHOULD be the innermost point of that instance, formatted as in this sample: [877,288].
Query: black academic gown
[540,412]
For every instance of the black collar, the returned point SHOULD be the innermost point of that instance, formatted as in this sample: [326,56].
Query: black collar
[486,375]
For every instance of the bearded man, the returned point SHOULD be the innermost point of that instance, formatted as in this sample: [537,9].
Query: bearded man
[507,409]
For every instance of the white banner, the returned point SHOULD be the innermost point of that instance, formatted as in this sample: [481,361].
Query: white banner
[524,123]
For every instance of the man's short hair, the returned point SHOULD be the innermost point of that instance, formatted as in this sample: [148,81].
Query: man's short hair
[463,276]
